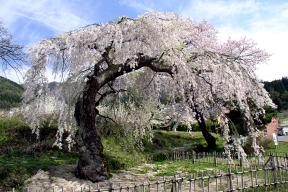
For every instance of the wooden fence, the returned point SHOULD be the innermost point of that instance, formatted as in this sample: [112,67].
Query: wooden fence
[233,176]
[220,158]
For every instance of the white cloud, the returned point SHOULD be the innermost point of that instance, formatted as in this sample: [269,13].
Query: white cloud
[263,22]
[54,14]
[138,5]
[274,42]
[206,9]
[16,76]
[19,75]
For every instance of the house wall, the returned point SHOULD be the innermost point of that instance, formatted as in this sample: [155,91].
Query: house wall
[272,127]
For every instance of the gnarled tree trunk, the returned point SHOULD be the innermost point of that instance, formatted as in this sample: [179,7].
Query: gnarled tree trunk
[211,141]
[91,162]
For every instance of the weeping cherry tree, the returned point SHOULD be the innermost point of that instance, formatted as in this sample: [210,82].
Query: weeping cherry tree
[205,72]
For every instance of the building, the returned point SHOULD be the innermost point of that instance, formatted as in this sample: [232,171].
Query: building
[272,127]
[283,127]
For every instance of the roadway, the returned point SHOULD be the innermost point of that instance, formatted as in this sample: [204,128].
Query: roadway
[283,138]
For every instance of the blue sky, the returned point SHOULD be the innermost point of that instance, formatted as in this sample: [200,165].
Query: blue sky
[266,21]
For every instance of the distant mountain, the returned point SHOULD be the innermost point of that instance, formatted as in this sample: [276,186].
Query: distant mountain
[10,93]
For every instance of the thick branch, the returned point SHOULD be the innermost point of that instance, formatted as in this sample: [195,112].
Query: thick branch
[112,72]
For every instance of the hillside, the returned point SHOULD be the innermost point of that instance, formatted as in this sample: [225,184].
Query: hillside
[278,90]
[10,93]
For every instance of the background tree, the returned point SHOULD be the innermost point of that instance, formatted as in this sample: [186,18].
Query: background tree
[278,90]
[11,57]
[91,59]
[11,54]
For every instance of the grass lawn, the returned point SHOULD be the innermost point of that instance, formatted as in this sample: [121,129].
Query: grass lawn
[281,148]
[15,168]
[165,141]
[167,168]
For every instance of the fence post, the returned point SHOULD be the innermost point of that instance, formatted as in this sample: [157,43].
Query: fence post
[229,177]
[202,181]
[273,169]
[215,159]
[180,185]
[190,183]
[286,165]
[174,189]
[110,187]
[241,161]
[216,179]
[193,157]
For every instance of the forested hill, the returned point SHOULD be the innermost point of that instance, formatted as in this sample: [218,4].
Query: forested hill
[10,93]
[278,90]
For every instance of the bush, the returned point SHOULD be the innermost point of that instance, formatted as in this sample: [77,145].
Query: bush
[211,126]
[8,127]
[182,127]
[12,177]
[266,142]
[195,127]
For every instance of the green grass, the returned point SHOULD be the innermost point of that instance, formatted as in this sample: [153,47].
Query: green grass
[7,125]
[167,168]
[119,157]
[279,188]
[281,148]
[15,168]
[165,141]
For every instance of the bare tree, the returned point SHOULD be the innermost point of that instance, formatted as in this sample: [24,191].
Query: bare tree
[91,58]
[11,54]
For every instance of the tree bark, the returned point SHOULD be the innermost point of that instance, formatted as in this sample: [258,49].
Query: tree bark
[91,162]
[211,141]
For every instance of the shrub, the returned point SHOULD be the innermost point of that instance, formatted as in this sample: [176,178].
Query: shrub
[182,127]
[195,127]
[266,142]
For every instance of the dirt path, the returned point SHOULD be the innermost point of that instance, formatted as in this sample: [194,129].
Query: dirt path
[62,177]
